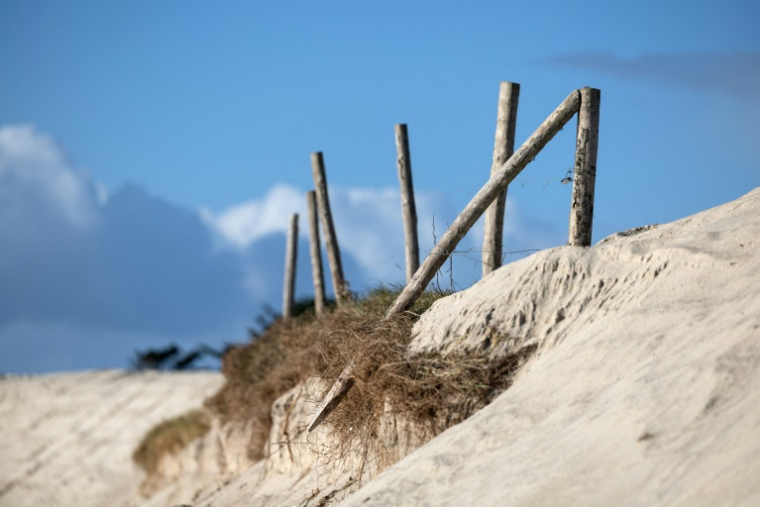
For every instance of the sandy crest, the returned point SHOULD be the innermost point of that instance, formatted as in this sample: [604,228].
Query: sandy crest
[645,392]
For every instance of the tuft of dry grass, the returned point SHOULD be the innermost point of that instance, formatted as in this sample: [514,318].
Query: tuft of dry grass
[259,372]
[289,351]
[428,393]
[423,394]
[170,436]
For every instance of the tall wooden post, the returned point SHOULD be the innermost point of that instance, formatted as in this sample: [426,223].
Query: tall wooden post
[291,253]
[408,209]
[504,146]
[315,249]
[584,177]
[482,200]
[342,293]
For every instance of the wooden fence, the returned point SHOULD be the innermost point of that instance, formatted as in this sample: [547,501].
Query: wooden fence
[491,198]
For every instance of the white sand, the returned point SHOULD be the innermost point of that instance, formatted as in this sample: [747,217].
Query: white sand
[645,390]
[67,439]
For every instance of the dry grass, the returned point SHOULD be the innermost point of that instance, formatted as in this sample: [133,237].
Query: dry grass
[429,393]
[288,352]
[170,436]
[259,372]
[422,395]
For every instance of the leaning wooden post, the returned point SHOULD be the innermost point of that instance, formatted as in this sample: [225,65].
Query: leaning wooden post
[408,210]
[504,146]
[342,294]
[584,176]
[315,249]
[482,200]
[291,253]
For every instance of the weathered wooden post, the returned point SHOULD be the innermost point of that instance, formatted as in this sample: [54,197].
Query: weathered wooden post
[342,294]
[291,253]
[482,200]
[584,176]
[408,209]
[315,249]
[504,146]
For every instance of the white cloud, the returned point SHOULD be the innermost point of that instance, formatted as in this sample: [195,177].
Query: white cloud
[369,228]
[43,346]
[367,221]
[243,224]
[32,162]
[126,265]
[84,263]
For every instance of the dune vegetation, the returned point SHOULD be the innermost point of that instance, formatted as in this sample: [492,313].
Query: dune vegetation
[431,392]
[170,436]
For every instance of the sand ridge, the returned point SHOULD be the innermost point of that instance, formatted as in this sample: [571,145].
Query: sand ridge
[644,390]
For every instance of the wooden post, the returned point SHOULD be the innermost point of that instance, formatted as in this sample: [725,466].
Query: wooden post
[408,209]
[342,294]
[334,396]
[584,177]
[482,200]
[291,253]
[504,146]
[315,249]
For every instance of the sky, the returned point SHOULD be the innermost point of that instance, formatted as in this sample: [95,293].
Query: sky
[152,151]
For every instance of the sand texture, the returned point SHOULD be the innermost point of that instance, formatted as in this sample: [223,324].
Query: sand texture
[643,389]
[66,440]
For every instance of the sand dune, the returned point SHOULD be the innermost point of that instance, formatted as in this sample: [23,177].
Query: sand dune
[644,390]
[67,439]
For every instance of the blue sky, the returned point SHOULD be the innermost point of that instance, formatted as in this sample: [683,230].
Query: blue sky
[151,151]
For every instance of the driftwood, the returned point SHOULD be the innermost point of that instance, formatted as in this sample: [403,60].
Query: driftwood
[408,209]
[584,177]
[504,146]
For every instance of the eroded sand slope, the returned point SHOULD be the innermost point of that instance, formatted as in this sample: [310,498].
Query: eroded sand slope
[645,389]
[67,439]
